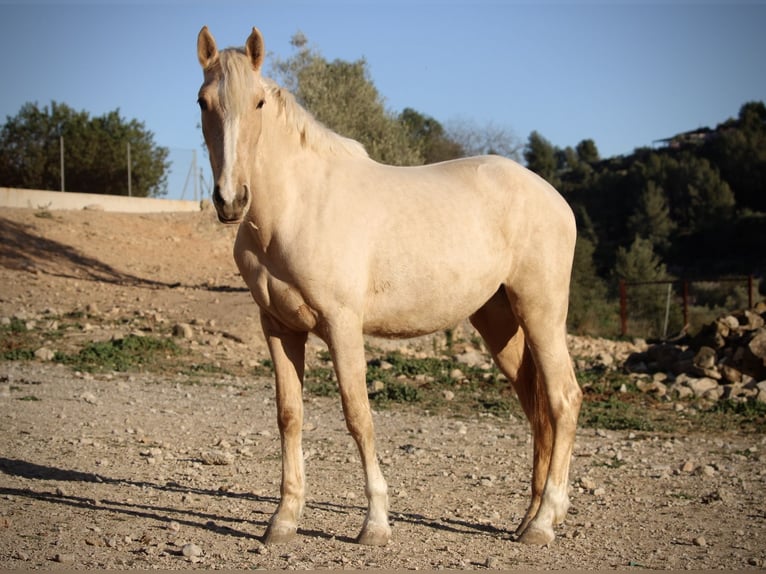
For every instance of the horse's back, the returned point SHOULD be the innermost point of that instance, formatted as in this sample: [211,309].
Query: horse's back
[450,237]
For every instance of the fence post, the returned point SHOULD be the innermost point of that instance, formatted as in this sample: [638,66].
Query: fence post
[61,160]
[623,307]
[130,179]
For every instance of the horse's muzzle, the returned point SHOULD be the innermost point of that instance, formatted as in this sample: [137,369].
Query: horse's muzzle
[230,212]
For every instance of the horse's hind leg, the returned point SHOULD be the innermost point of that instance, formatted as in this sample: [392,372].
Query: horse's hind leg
[500,329]
[542,314]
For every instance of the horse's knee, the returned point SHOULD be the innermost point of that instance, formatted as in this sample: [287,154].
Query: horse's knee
[289,419]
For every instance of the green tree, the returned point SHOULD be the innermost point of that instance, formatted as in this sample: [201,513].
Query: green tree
[651,219]
[699,196]
[541,157]
[639,262]
[587,151]
[429,137]
[589,310]
[739,152]
[342,96]
[95,152]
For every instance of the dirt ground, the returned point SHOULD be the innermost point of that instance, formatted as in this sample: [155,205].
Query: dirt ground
[141,470]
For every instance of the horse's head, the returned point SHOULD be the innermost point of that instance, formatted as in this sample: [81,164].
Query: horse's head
[230,101]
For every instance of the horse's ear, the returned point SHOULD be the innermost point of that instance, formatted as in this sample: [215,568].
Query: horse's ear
[255,49]
[207,52]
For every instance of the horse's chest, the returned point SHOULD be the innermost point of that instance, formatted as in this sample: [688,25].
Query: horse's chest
[281,300]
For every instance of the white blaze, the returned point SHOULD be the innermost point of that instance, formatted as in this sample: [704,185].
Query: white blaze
[230,133]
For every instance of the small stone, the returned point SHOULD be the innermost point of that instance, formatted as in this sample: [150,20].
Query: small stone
[217,458]
[45,354]
[471,357]
[448,395]
[688,466]
[183,330]
[64,558]
[708,470]
[174,526]
[702,386]
[89,398]
[377,386]
[492,563]
[700,541]
[456,374]
[191,550]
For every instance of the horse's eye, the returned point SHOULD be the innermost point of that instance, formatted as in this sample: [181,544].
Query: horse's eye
[260,104]
[202,104]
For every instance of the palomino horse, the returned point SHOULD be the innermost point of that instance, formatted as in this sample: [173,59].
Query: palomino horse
[333,243]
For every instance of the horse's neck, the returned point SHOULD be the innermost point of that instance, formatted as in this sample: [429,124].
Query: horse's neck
[283,175]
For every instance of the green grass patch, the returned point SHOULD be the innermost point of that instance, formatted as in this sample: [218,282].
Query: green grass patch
[16,342]
[130,352]
[398,379]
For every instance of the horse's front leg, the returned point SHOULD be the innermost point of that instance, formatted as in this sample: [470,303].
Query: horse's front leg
[346,344]
[287,350]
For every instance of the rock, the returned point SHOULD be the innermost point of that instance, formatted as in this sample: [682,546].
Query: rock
[471,357]
[705,358]
[216,458]
[688,466]
[377,386]
[191,551]
[761,396]
[605,359]
[448,395]
[757,345]
[699,541]
[45,354]
[174,526]
[752,321]
[89,398]
[588,483]
[681,391]
[183,331]
[64,558]
[701,386]
[456,374]
[652,387]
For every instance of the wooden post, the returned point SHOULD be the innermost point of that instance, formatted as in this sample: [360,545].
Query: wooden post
[750,291]
[623,307]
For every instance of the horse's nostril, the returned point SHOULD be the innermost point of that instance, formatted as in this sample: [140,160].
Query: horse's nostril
[217,197]
[243,199]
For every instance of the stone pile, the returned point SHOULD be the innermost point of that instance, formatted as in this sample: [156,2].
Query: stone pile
[725,360]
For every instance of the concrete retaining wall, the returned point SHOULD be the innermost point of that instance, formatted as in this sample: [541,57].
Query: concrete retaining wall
[55,200]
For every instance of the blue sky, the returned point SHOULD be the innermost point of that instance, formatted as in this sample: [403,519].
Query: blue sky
[621,73]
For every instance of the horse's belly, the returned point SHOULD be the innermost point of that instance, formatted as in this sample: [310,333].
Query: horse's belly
[414,311]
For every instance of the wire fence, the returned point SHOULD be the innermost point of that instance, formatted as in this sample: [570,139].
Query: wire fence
[663,309]
[189,175]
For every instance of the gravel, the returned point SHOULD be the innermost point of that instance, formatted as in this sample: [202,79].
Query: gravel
[156,474]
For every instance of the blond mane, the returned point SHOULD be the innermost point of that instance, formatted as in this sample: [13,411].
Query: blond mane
[311,133]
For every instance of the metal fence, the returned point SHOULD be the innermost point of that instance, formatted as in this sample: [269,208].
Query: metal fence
[657,308]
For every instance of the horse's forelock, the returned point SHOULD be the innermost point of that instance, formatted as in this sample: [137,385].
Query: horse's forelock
[237,80]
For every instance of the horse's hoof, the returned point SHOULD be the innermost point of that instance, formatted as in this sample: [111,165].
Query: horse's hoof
[279,534]
[537,535]
[374,535]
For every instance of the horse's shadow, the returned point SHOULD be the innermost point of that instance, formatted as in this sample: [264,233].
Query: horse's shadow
[195,518]
[22,249]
